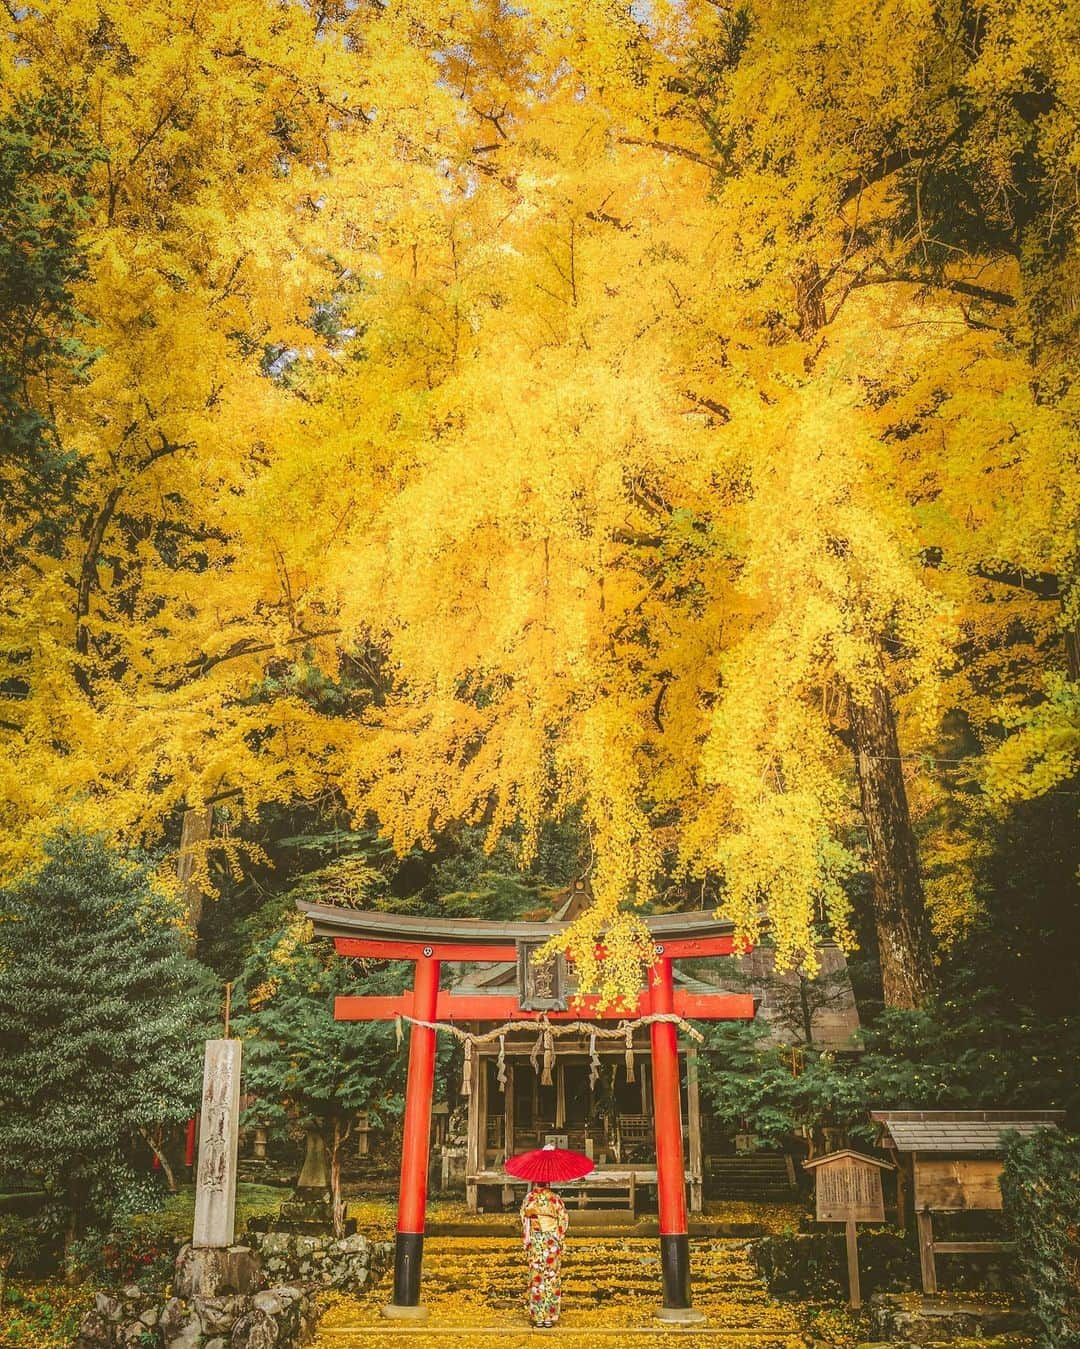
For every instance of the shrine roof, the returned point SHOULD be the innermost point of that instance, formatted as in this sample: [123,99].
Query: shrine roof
[333,920]
[952,1131]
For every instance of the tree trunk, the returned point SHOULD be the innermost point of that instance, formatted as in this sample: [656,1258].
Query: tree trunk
[194,831]
[315,1173]
[76,1196]
[159,1153]
[807,1012]
[338,1209]
[903,928]
[810,299]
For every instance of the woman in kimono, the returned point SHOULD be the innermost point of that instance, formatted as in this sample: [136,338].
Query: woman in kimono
[543,1226]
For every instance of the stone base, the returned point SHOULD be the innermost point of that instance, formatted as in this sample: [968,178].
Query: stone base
[392,1312]
[283,1315]
[679,1316]
[914,1319]
[206,1271]
[349,1264]
[308,1212]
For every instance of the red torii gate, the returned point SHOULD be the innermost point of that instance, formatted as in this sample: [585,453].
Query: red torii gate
[427,942]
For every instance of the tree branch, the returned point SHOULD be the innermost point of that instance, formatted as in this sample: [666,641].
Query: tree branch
[94,538]
[667,148]
[891,163]
[1040,585]
[635,539]
[202,665]
[984,293]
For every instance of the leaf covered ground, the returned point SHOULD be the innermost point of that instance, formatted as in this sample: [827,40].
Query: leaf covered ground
[42,1314]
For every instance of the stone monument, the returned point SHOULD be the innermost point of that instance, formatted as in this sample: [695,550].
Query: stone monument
[215,1183]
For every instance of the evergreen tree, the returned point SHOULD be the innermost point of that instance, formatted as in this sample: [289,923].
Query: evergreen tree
[102,1019]
[301,1066]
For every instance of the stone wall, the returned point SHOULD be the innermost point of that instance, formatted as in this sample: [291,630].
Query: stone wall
[271,1318]
[898,1318]
[349,1263]
[249,1297]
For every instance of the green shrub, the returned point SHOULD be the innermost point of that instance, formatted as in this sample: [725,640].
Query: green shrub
[127,1255]
[24,1244]
[1041,1190]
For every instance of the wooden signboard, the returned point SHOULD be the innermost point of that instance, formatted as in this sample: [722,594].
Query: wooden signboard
[541,988]
[951,1185]
[847,1187]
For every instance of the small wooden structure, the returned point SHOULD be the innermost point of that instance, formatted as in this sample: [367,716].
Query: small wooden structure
[952,1161]
[847,1188]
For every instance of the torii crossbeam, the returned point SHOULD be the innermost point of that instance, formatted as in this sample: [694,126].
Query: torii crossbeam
[427,942]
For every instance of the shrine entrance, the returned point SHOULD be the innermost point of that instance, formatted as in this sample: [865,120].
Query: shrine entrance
[489,1018]
[596,1099]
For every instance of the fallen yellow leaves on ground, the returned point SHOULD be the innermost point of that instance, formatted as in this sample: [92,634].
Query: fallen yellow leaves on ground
[42,1314]
[376,1216]
[609,1284]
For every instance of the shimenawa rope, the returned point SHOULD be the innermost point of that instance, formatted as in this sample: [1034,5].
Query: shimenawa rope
[544,1048]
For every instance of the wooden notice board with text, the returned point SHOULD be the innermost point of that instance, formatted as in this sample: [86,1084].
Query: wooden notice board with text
[847,1186]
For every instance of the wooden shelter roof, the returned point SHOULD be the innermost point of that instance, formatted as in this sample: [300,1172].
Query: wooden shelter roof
[953,1131]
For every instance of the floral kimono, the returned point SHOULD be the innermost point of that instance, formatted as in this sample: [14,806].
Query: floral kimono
[543,1225]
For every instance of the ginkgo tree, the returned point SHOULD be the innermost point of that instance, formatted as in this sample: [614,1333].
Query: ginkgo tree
[664,409]
[229,179]
[818,439]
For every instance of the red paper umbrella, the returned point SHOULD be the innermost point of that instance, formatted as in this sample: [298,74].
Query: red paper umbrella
[550,1164]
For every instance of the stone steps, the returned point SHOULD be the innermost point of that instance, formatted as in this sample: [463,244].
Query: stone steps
[474,1291]
[761,1177]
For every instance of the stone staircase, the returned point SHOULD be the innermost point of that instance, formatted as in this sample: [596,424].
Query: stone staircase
[759,1177]
[473,1288]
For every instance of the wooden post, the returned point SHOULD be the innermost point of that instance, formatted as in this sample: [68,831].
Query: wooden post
[480,1086]
[851,1236]
[924,1226]
[693,1122]
[508,1114]
[415,1143]
[560,1095]
[901,1194]
[472,1132]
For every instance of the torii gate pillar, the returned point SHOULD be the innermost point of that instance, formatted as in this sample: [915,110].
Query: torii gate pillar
[670,1175]
[415,1144]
